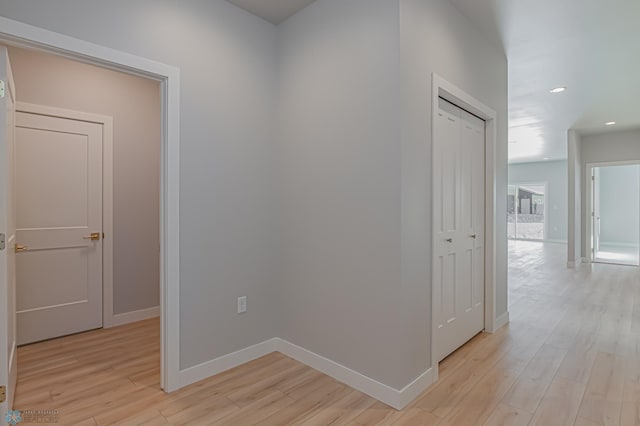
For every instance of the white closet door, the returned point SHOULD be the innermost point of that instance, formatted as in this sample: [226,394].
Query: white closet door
[459,191]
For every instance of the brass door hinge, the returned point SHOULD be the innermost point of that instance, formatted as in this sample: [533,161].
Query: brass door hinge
[3,394]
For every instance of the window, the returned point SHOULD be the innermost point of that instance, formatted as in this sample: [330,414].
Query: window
[526,212]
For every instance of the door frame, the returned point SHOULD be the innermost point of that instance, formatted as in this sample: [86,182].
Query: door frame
[587,216]
[27,36]
[441,88]
[546,209]
[107,192]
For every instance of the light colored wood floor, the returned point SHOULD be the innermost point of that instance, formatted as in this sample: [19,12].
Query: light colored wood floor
[571,356]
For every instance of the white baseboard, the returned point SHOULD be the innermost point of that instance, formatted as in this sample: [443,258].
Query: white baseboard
[574,263]
[501,321]
[129,317]
[410,392]
[395,398]
[226,362]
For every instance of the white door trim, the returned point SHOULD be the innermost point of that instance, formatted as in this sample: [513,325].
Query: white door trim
[586,215]
[107,193]
[24,35]
[450,92]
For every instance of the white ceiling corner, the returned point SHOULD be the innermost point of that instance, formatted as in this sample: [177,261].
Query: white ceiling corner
[274,11]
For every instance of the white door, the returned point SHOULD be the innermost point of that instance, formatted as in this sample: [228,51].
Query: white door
[595,214]
[8,351]
[459,193]
[59,226]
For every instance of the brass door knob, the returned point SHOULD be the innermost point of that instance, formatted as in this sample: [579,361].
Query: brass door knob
[20,248]
[95,236]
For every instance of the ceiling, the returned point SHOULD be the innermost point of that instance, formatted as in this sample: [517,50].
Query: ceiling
[274,11]
[590,46]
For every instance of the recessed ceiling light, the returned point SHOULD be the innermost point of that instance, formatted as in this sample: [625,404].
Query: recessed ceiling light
[558,89]
[610,123]
[546,158]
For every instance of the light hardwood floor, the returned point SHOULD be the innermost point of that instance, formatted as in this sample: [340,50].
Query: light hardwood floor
[570,356]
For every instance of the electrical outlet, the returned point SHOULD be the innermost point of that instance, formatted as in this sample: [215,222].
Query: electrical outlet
[242,304]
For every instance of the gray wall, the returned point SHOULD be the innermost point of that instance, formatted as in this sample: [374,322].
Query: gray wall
[341,178]
[227,59]
[327,226]
[607,147]
[356,97]
[620,205]
[555,174]
[134,104]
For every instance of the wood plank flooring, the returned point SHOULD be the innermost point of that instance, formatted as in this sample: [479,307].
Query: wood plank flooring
[570,356]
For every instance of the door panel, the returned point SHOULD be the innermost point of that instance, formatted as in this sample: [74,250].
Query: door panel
[596,212]
[8,351]
[59,204]
[65,274]
[446,217]
[473,134]
[42,155]
[459,192]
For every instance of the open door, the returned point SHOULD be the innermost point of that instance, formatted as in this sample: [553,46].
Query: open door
[595,213]
[8,348]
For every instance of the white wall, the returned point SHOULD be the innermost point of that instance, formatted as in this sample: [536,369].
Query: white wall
[134,104]
[356,108]
[554,174]
[574,225]
[227,59]
[620,205]
[607,147]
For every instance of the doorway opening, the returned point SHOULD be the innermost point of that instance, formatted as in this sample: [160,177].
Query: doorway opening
[526,211]
[17,34]
[614,214]
[458,117]
[87,202]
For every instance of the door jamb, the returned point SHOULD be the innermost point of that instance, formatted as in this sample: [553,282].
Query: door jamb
[588,220]
[27,36]
[450,92]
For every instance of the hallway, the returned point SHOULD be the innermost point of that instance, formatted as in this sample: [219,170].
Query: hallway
[585,325]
